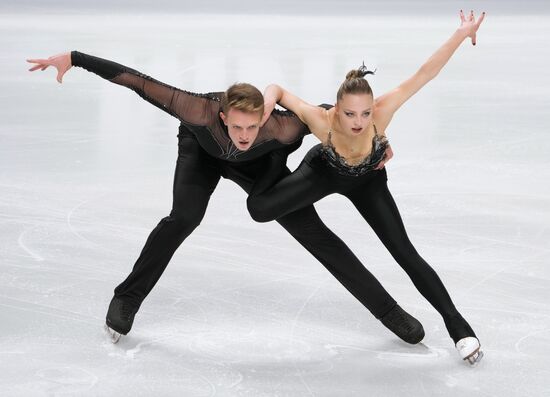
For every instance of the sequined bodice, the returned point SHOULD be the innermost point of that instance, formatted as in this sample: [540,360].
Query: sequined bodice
[379,145]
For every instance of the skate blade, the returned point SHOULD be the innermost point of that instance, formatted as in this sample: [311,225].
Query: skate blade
[113,335]
[474,358]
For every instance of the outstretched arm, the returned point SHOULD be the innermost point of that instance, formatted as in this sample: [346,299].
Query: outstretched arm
[186,106]
[387,104]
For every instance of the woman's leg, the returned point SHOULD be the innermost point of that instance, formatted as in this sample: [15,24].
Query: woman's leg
[303,187]
[375,203]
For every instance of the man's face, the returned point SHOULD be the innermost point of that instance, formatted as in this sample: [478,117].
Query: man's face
[242,127]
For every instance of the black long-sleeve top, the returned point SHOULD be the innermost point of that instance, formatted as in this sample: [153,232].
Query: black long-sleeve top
[199,112]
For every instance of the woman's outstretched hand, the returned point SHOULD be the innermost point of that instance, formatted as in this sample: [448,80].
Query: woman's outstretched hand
[470,25]
[61,62]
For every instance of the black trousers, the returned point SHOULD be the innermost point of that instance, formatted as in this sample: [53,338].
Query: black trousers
[315,178]
[196,177]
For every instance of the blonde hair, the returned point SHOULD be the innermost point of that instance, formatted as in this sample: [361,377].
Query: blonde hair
[244,97]
[355,83]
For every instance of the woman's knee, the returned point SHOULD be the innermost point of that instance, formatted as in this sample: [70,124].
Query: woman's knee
[407,253]
[259,209]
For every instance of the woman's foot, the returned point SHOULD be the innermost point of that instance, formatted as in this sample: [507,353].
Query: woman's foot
[403,325]
[465,339]
[469,350]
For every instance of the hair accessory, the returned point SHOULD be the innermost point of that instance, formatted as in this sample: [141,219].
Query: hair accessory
[364,71]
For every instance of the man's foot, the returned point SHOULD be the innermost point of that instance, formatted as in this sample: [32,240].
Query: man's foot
[120,317]
[403,325]
[113,335]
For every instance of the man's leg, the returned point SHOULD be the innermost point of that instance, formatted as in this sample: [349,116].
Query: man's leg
[196,177]
[310,231]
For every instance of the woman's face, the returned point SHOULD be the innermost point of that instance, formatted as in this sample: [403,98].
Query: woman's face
[354,113]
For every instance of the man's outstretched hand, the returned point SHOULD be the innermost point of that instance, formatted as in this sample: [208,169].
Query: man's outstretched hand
[61,62]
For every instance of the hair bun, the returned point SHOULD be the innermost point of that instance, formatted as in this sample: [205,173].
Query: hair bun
[359,73]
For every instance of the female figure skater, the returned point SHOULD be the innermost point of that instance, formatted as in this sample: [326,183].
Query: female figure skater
[350,161]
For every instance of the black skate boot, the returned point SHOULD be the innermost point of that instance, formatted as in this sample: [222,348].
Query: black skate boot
[403,325]
[120,318]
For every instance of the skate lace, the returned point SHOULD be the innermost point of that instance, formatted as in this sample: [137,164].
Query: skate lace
[403,321]
[126,311]
[399,320]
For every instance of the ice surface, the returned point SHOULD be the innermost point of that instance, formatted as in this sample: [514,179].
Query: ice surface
[86,172]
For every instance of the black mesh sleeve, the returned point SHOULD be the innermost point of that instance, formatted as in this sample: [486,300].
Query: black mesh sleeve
[285,126]
[186,106]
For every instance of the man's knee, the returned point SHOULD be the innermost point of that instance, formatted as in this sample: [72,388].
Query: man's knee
[183,222]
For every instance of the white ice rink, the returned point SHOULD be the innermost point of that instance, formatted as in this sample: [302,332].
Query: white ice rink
[86,172]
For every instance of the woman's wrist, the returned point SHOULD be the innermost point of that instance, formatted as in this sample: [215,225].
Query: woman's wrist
[269,103]
[462,33]
[271,94]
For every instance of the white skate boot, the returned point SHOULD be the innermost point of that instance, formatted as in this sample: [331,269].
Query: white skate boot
[469,350]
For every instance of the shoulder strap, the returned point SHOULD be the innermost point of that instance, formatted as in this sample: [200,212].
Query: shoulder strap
[329,141]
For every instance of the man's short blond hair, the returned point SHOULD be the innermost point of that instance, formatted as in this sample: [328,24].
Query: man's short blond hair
[244,97]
